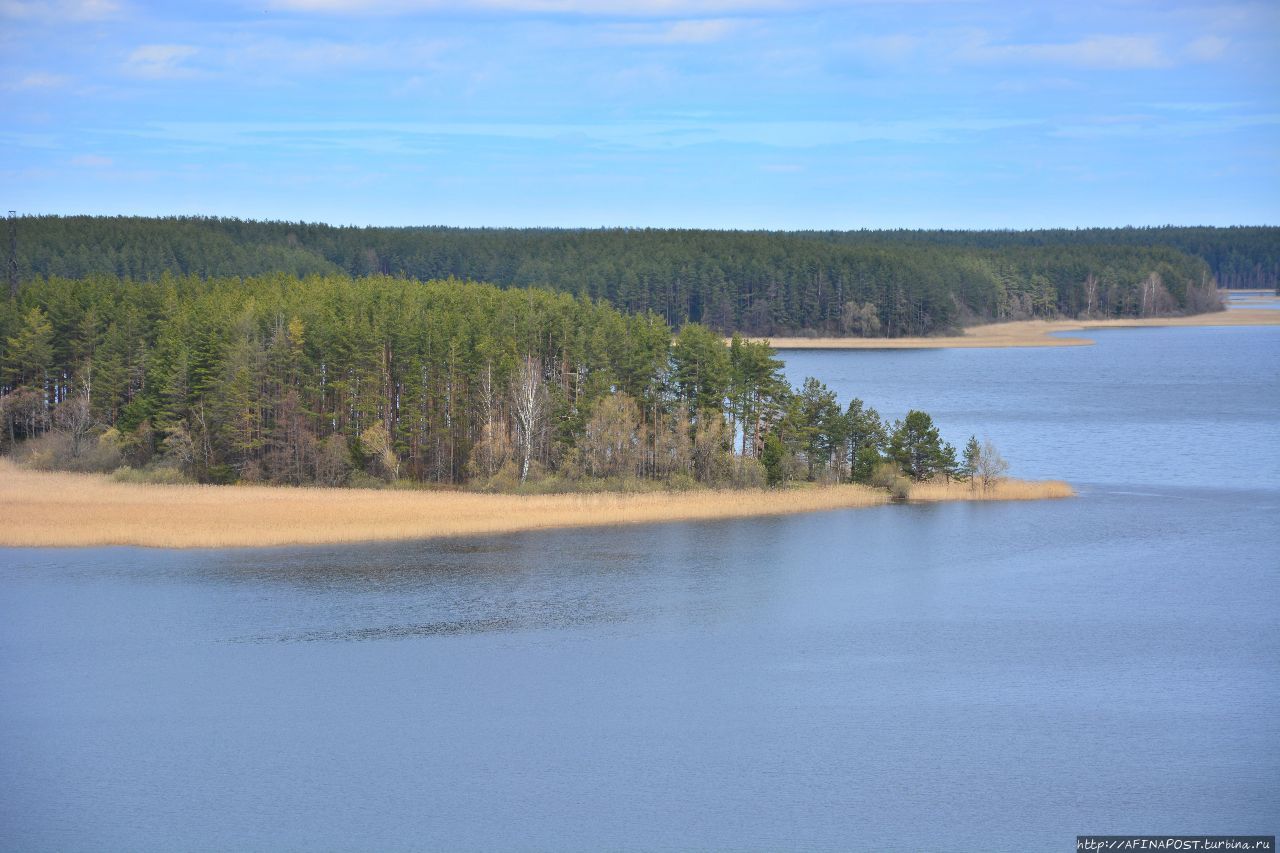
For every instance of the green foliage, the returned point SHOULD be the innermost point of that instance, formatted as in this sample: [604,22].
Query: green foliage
[774,460]
[29,353]
[330,380]
[700,368]
[157,475]
[869,283]
[757,392]
[916,446]
[865,440]
[339,381]
[972,453]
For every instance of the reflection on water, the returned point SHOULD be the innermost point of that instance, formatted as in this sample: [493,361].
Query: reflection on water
[896,678]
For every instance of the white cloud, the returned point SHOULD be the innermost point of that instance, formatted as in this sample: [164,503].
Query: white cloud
[270,56]
[1101,52]
[893,48]
[59,10]
[160,61]
[703,31]
[1207,48]
[90,10]
[973,46]
[92,161]
[39,80]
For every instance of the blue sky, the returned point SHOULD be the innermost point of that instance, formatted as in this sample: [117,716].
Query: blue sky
[704,113]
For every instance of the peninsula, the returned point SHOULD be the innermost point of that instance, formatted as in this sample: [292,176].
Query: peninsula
[57,509]
[1041,333]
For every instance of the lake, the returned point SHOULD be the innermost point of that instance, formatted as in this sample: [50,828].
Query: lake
[949,677]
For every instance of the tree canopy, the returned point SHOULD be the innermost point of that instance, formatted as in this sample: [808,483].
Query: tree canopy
[869,283]
[331,380]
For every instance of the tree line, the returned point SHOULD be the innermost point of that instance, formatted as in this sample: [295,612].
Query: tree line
[333,380]
[867,283]
[1238,256]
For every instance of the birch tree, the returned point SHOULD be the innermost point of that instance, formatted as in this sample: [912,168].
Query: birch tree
[528,403]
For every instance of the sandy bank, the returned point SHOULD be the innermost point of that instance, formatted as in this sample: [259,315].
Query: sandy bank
[67,510]
[1033,333]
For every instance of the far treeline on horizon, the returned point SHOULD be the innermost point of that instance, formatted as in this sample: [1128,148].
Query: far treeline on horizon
[222,350]
[889,283]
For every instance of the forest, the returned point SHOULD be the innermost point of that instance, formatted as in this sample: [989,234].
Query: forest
[333,380]
[864,283]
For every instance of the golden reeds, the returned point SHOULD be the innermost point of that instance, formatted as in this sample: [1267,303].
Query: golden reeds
[1001,490]
[58,509]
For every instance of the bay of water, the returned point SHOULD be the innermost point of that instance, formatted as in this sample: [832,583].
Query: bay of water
[959,677]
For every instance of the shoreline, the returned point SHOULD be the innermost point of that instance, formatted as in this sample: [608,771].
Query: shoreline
[1036,333]
[65,510]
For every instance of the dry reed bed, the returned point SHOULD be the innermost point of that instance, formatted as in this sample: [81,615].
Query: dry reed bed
[70,510]
[1001,490]
[1033,333]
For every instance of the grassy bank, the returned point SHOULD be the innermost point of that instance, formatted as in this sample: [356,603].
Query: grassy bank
[1034,333]
[67,510]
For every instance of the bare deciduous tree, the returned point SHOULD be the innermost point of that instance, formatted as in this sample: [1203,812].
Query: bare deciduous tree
[74,415]
[1090,295]
[377,445]
[861,319]
[610,443]
[989,466]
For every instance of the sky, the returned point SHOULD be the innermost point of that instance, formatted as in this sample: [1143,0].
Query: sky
[780,114]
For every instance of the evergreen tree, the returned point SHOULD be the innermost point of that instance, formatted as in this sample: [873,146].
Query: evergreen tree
[972,452]
[29,353]
[916,446]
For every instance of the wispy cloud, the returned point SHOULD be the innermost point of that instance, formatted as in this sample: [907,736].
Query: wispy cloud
[891,48]
[93,161]
[39,80]
[271,56]
[704,31]
[160,61]
[1152,126]
[1108,52]
[59,10]
[977,47]
[1207,48]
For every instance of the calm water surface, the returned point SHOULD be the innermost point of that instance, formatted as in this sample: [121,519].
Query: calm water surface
[996,677]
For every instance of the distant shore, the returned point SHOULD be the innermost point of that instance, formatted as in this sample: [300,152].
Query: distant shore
[1039,333]
[48,509]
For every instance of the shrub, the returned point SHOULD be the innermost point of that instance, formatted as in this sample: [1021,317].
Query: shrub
[162,475]
[749,474]
[53,452]
[900,489]
[884,475]
[358,479]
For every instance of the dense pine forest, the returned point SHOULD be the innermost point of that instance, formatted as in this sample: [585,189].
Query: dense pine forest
[219,350]
[869,283]
[1242,257]
[334,380]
